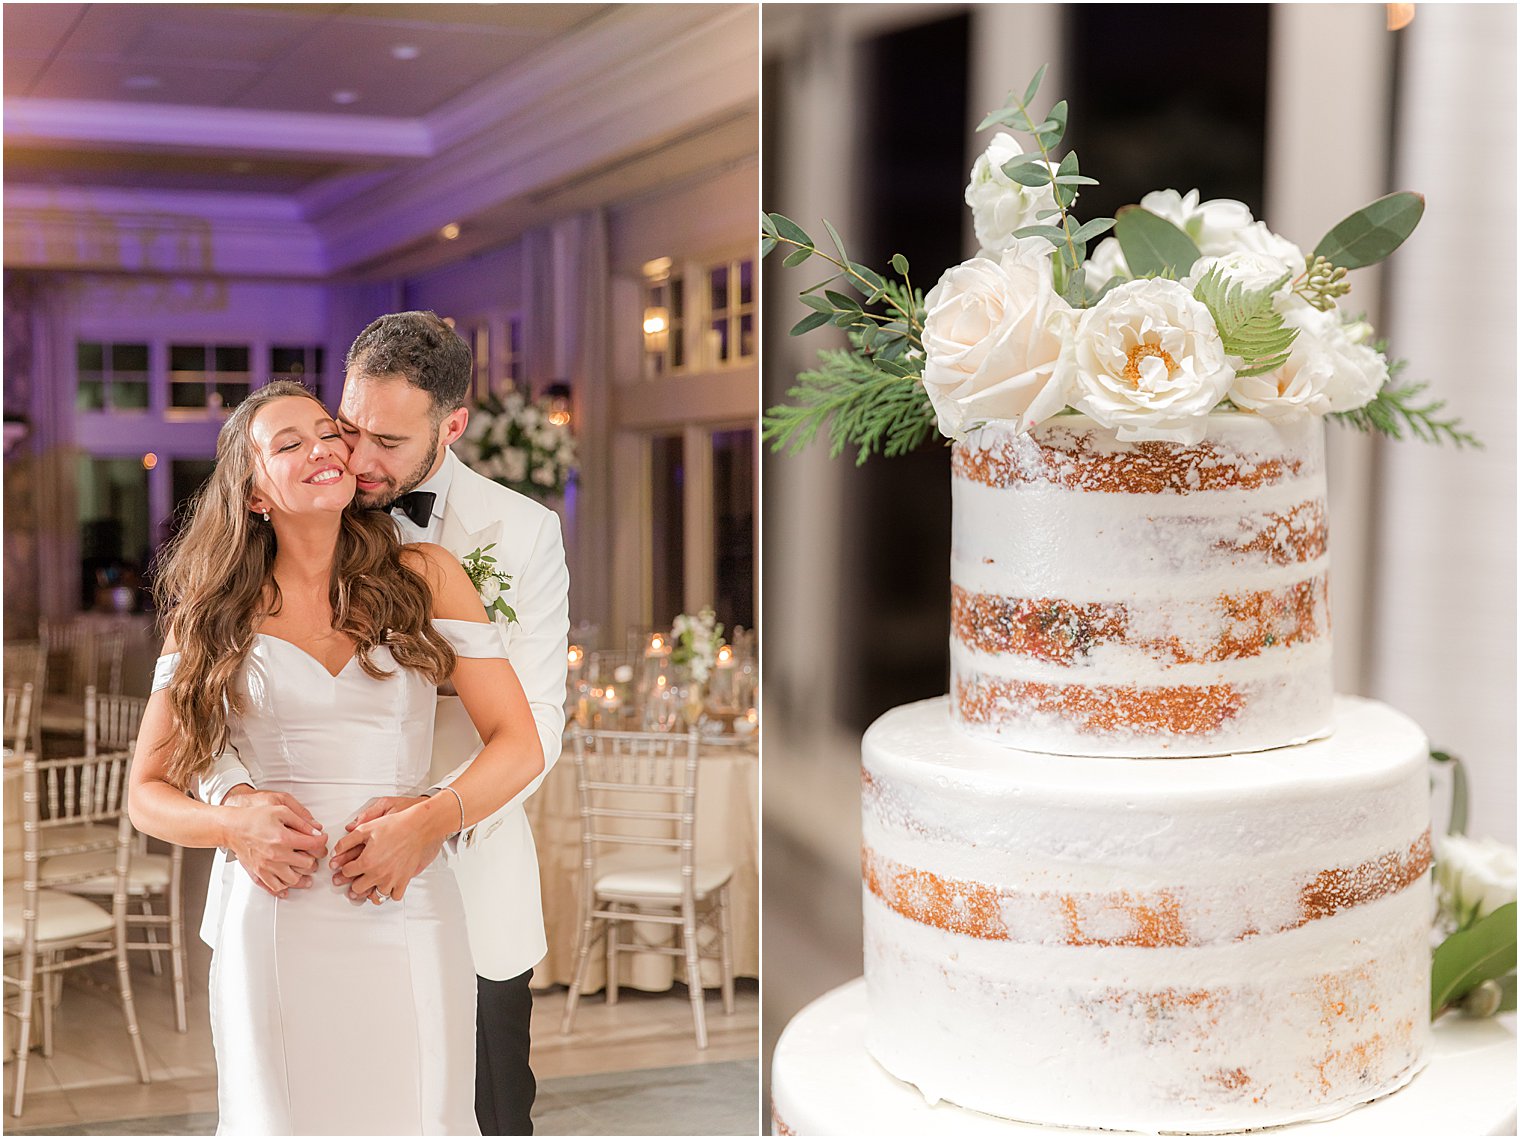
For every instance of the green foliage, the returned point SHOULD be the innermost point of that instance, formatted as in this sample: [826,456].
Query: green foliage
[1248,324]
[1482,952]
[1394,410]
[1373,232]
[481,568]
[1456,821]
[1152,245]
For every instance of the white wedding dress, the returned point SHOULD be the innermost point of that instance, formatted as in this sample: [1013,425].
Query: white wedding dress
[332,1017]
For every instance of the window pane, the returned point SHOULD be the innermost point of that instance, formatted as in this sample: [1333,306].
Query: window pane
[734,526]
[747,335]
[717,340]
[287,363]
[113,528]
[231,394]
[191,393]
[746,282]
[91,395]
[129,358]
[668,537]
[89,356]
[187,358]
[186,476]
[676,344]
[128,394]
[718,280]
[677,299]
[232,357]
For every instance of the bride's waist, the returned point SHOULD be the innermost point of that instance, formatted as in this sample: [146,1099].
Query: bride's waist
[336,803]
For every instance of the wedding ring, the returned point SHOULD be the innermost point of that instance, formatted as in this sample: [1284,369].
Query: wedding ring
[383,895]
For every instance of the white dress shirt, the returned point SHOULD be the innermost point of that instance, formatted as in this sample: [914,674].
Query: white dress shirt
[439,485]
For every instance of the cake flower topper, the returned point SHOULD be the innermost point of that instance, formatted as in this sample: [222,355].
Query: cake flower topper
[1189,307]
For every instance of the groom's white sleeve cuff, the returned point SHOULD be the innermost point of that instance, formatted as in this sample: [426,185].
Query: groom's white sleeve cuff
[212,787]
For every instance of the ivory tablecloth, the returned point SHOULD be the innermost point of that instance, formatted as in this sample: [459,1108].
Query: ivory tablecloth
[728,828]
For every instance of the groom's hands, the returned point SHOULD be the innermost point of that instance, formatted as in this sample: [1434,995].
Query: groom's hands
[274,837]
[390,842]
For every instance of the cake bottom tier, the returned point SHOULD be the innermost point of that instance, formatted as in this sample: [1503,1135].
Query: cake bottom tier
[1190,945]
[823,1082]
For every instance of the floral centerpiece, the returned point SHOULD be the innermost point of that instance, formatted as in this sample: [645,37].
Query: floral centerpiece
[514,441]
[1188,306]
[697,640]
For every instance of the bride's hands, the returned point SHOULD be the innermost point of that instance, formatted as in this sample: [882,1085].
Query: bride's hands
[388,844]
[274,838]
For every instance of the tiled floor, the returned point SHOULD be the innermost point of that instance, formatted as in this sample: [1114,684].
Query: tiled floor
[91,1077]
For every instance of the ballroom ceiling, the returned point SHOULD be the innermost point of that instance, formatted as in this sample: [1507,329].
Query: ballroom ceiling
[321,115]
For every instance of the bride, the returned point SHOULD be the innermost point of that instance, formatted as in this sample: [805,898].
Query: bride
[304,637]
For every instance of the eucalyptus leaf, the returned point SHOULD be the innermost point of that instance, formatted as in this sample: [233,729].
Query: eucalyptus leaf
[1075,180]
[798,256]
[1034,84]
[766,225]
[1050,232]
[787,228]
[1091,228]
[1153,245]
[870,276]
[1007,116]
[842,301]
[1051,131]
[1481,952]
[1026,172]
[1456,820]
[766,245]
[834,236]
[811,321]
[817,304]
[1373,232]
[899,264]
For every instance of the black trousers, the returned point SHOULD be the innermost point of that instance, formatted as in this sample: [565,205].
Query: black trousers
[504,1083]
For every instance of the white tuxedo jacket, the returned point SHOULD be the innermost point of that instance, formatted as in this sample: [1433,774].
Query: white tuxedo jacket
[494,861]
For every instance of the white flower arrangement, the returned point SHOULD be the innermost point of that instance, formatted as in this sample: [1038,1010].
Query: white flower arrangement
[513,441]
[697,639]
[1474,877]
[1192,306]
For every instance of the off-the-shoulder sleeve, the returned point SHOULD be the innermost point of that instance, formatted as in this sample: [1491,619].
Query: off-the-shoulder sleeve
[473,638]
[163,671]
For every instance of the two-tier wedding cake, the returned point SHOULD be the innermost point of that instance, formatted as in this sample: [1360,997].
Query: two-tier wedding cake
[1141,869]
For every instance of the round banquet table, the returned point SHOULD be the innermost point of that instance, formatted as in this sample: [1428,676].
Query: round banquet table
[728,828]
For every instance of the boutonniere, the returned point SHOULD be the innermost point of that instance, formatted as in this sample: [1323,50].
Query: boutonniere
[490,582]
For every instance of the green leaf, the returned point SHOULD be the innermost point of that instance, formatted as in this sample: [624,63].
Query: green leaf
[1507,993]
[871,277]
[817,304]
[1090,229]
[834,236]
[787,228]
[1075,180]
[1051,131]
[1034,84]
[1466,959]
[766,225]
[811,321]
[1373,232]
[1006,116]
[1026,173]
[766,245]
[899,264]
[1153,245]
[841,301]
[1051,233]
[798,256]
[1456,820]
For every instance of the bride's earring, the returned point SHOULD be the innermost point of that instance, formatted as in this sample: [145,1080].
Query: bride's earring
[266,516]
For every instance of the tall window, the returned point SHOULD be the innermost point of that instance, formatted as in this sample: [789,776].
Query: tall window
[667,469]
[733,504]
[208,377]
[514,370]
[301,363]
[730,312]
[112,377]
[664,319]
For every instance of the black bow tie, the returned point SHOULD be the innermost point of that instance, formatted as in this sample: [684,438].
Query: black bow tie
[416,505]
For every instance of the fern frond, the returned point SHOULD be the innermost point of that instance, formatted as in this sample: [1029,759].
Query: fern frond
[1248,325]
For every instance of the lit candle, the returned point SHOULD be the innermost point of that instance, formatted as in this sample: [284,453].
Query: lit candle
[657,646]
[726,657]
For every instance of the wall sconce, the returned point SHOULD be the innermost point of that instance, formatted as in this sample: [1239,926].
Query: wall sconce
[558,395]
[656,328]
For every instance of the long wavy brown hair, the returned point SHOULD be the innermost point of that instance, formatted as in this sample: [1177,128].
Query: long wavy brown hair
[217,584]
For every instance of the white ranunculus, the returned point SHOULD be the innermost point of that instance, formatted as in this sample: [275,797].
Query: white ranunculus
[490,590]
[514,464]
[1215,226]
[1147,360]
[993,332]
[1357,371]
[1475,876]
[999,205]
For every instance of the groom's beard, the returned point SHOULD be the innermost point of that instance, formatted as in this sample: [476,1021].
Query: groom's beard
[384,496]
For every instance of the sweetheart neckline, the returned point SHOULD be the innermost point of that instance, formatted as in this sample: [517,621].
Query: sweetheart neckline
[353,656]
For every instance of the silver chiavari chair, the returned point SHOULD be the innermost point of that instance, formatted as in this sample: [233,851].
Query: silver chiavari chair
[18,717]
[638,793]
[70,806]
[26,664]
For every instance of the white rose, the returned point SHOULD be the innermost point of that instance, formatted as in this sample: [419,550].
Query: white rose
[1257,239]
[1251,271]
[1475,876]
[1357,371]
[1214,226]
[1106,263]
[993,332]
[514,464]
[490,590]
[999,205]
[1147,360]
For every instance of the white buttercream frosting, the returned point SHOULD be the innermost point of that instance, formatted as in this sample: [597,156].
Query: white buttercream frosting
[1200,944]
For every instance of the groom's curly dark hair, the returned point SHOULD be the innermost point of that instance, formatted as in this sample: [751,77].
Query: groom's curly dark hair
[420,347]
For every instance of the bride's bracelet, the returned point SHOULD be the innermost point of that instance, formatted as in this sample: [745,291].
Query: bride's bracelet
[460,800]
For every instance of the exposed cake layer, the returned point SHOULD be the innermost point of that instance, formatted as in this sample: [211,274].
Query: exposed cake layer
[1141,599]
[1203,944]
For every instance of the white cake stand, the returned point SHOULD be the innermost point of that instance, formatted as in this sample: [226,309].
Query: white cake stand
[823,1082]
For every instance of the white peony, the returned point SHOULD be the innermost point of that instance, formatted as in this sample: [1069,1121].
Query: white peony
[1357,372]
[999,205]
[1475,877]
[1147,360]
[993,333]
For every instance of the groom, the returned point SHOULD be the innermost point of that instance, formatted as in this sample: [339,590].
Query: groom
[403,404]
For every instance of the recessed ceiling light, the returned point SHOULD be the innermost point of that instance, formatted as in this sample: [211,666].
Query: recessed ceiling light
[405,51]
[344,98]
[450,231]
[141,82]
